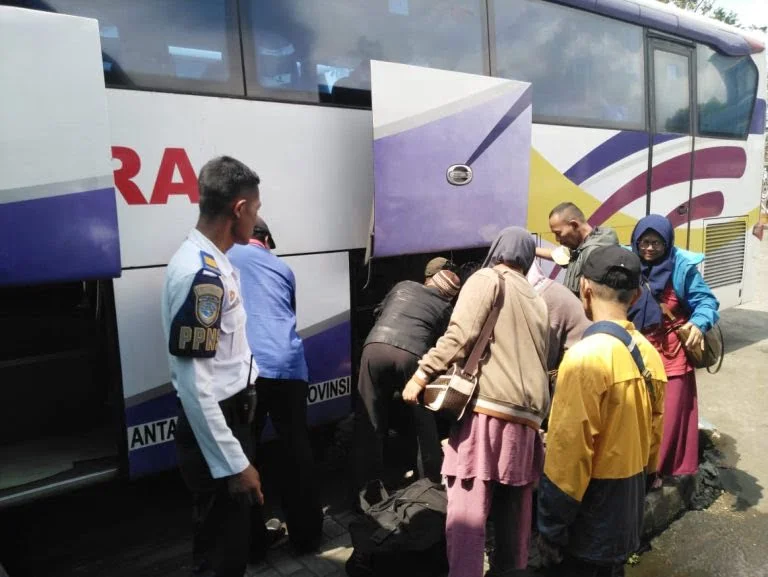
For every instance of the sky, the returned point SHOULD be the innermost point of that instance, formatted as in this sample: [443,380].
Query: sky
[749,11]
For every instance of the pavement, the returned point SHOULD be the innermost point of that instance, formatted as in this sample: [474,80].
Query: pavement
[730,539]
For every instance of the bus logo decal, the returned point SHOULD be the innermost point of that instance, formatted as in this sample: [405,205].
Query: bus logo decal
[459,174]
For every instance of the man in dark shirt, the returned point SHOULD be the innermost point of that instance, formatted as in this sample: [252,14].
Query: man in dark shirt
[410,319]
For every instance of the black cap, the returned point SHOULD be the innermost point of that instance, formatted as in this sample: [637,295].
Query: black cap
[261,229]
[605,259]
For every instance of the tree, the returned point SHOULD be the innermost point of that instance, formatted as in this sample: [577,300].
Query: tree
[729,17]
[706,8]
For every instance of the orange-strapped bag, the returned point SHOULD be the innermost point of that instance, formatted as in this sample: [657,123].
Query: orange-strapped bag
[451,392]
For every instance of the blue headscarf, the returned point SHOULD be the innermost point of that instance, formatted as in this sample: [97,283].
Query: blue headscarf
[646,312]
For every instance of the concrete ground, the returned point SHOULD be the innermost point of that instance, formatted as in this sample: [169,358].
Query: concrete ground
[730,539]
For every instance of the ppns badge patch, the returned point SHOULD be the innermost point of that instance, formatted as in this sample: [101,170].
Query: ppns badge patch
[195,328]
[207,303]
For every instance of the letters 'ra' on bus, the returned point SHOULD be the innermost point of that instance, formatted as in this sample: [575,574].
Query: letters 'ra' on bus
[475,114]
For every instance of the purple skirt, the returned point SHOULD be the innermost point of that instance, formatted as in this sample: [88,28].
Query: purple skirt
[491,449]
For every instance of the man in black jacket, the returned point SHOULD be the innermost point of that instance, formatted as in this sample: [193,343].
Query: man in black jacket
[409,321]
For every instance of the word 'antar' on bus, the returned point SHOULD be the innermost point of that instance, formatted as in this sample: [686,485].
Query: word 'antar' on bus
[148,434]
[174,159]
[328,390]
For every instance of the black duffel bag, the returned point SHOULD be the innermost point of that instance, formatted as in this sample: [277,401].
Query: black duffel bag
[400,535]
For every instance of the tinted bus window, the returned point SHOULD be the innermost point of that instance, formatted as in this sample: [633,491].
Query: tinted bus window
[585,69]
[319,51]
[185,45]
[672,94]
[726,88]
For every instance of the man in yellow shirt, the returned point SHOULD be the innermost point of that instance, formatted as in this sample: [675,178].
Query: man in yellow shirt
[604,431]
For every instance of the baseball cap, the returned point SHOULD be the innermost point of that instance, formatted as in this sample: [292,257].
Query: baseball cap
[261,229]
[434,266]
[606,259]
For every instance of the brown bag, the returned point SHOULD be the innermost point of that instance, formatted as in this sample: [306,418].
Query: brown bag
[711,356]
[451,392]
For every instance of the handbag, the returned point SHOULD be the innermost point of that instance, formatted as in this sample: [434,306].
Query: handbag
[711,356]
[452,392]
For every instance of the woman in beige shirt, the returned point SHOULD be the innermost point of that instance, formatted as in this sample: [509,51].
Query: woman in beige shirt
[494,455]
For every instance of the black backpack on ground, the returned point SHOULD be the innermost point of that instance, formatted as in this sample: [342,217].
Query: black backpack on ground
[400,535]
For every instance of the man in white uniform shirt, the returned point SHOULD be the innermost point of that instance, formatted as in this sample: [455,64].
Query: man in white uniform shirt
[212,369]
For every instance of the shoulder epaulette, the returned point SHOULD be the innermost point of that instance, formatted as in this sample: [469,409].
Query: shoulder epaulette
[209,263]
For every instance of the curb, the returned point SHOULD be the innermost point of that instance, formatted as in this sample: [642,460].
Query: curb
[666,505]
[691,492]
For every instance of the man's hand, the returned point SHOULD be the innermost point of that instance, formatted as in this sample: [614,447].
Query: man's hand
[695,337]
[551,554]
[412,391]
[248,482]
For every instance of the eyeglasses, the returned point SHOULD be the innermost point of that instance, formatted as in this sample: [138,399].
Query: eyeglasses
[651,244]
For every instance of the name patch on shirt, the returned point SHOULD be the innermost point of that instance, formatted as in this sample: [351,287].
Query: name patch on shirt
[195,328]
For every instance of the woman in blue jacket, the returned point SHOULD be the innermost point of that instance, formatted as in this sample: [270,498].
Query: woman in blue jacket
[674,293]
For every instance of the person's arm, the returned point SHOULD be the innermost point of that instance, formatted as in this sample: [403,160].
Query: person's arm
[292,280]
[545,253]
[464,327]
[701,301]
[574,424]
[657,425]
[380,307]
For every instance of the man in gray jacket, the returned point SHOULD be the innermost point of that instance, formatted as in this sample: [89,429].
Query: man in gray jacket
[571,229]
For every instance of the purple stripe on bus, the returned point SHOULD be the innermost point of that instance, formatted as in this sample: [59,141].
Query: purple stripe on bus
[616,148]
[716,162]
[69,237]
[329,353]
[707,205]
[505,122]
[757,126]
[329,358]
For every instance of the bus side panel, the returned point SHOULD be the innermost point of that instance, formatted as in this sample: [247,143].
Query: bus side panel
[58,219]
[720,197]
[602,171]
[756,172]
[150,401]
[151,407]
[315,165]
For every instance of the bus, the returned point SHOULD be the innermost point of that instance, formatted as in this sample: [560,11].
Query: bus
[111,108]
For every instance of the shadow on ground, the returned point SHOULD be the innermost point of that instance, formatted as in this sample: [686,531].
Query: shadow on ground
[742,328]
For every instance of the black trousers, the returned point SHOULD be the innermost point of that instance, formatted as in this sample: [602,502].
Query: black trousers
[385,369]
[285,401]
[221,528]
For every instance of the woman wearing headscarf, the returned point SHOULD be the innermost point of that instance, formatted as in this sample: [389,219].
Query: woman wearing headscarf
[674,294]
[494,454]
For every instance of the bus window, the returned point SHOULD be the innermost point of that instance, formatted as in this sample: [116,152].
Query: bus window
[315,51]
[671,89]
[726,88]
[179,45]
[585,69]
